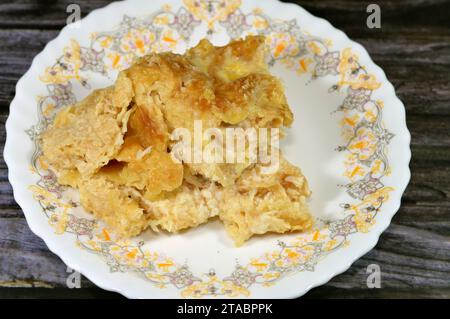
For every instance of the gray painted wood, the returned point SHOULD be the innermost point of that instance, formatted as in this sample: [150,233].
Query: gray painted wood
[413,47]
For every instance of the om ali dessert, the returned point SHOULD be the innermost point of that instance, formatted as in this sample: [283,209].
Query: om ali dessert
[115,146]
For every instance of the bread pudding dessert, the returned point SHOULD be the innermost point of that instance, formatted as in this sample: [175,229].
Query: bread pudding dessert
[116,146]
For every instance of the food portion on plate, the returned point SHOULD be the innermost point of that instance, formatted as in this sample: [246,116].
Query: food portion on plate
[117,148]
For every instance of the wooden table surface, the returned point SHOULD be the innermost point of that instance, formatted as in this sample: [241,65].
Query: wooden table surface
[412,46]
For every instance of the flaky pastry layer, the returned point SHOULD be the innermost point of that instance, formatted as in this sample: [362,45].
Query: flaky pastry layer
[115,146]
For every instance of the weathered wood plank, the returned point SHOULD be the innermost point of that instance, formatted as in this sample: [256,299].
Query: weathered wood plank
[316,293]
[413,47]
[15,60]
[350,16]
[384,293]
[431,130]
[57,293]
[26,260]
[407,13]
[43,14]
[408,257]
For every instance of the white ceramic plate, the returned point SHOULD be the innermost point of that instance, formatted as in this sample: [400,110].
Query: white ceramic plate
[349,138]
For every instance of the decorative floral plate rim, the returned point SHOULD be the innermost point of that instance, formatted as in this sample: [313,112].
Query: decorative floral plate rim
[100,276]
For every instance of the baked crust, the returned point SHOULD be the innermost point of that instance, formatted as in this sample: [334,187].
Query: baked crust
[115,146]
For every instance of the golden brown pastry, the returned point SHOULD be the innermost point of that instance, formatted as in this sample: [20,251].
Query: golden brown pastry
[115,146]
[85,136]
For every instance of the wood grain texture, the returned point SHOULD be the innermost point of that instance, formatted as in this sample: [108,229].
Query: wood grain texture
[413,48]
